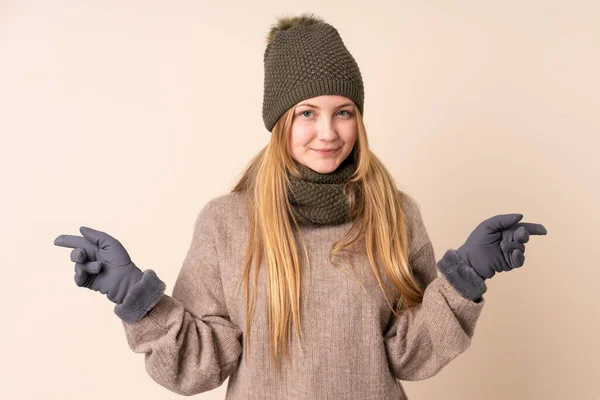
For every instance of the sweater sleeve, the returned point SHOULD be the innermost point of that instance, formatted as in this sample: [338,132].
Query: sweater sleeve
[189,343]
[426,337]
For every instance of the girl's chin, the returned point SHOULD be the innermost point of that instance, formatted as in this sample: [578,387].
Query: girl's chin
[324,167]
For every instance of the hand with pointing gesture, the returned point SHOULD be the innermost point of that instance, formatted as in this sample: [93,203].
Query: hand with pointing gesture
[102,264]
[496,245]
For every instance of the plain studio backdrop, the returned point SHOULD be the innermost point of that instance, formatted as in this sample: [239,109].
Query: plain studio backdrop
[128,116]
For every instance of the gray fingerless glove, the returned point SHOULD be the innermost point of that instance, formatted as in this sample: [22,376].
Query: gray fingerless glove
[102,264]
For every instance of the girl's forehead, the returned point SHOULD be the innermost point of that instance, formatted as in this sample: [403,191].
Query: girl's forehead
[332,100]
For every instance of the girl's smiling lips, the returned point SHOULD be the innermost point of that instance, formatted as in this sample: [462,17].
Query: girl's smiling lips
[326,152]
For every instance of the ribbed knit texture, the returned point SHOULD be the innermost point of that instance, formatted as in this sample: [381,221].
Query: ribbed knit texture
[354,347]
[307,61]
[319,198]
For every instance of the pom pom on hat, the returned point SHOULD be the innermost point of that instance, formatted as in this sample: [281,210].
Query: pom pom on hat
[285,23]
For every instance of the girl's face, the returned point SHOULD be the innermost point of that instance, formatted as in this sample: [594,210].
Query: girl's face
[323,122]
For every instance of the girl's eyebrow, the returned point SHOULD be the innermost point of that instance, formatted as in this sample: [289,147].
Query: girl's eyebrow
[318,108]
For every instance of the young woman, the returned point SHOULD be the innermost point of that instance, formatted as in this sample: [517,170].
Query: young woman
[338,271]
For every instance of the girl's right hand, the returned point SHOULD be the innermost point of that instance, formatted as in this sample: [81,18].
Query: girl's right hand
[101,263]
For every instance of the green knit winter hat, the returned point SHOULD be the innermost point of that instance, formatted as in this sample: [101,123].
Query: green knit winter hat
[306,57]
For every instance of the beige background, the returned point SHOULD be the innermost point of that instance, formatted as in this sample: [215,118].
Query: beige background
[128,116]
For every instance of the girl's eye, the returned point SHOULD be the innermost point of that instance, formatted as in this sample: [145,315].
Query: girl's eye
[348,113]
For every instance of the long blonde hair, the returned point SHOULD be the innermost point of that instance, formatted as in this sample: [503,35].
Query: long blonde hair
[378,218]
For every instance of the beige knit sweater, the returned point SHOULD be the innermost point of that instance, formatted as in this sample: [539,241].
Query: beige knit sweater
[354,346]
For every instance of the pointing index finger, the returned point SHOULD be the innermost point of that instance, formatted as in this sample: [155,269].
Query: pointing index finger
[73,242]
[534,229]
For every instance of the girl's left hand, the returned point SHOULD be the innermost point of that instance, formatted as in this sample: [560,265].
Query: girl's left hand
[496,244]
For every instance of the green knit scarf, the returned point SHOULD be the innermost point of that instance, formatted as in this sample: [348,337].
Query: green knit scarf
[319,199]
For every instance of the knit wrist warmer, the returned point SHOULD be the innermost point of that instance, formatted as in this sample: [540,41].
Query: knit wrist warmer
[142,297]
[462,276]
